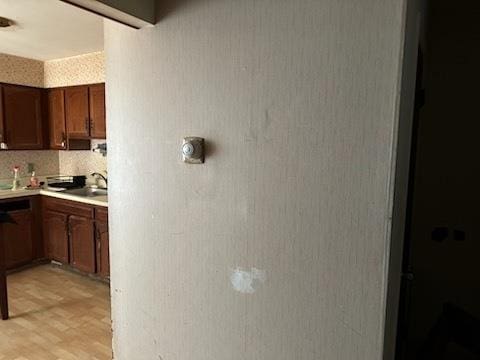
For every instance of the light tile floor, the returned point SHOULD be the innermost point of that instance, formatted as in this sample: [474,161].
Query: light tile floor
[56,314]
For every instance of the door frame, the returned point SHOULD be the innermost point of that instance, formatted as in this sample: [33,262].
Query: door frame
[399,179]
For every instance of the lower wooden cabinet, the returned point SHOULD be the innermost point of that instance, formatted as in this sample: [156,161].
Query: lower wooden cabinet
[82,243]
[23,239]
[55,226]
[77,234]
[101,238]
[19,239]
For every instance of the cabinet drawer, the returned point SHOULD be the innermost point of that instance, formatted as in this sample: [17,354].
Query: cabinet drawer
[101,214]
[68,207]
[18,204]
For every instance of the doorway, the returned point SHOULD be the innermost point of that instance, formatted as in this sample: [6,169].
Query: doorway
[439,315]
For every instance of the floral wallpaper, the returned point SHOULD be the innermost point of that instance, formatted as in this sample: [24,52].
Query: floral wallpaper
[21,71]
[46,162]
[76,70]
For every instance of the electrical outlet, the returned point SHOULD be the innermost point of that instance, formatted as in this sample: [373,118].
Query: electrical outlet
[30,167]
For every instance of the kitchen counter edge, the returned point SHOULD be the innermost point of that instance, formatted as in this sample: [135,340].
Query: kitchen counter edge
[97,201]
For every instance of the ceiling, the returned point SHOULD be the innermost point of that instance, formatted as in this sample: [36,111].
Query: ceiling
[49,29]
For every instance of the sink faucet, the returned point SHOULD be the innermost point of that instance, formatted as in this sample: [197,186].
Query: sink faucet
[103,177]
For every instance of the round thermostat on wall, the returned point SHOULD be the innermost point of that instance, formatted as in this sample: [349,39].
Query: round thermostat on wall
[188,149]
[192,150]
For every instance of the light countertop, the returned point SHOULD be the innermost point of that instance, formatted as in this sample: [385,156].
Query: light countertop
[97,200]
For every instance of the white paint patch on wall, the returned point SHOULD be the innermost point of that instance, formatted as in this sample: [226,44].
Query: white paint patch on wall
[247,282]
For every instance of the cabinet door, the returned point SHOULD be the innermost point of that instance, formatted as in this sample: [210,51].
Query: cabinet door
[82,243]
[18,239]
[76,112]
[98,127]
[56,235]
[56,118]
[103,254]
[22,117]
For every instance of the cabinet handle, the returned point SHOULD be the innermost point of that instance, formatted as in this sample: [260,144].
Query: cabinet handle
[63,140]
[3,143]
[87,126]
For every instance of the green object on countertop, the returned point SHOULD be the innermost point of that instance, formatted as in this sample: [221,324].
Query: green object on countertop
[5,186]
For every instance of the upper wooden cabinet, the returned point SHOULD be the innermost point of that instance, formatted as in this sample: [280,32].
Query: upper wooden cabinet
[59,118]
[76,111]
[22,118]
[85,111]
[56,119]
[96,99]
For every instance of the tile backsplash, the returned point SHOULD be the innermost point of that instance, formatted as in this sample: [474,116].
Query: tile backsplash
[82,162]
[51,162]
[46,162]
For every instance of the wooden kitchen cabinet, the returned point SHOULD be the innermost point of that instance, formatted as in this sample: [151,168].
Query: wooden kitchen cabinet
[56,119]
[23,240]
[82,243]
[55,225]
[22,118]
[102,241]
[98,129]
[77,112]
[77,234]
[85,111]
[19,239]
[59,118]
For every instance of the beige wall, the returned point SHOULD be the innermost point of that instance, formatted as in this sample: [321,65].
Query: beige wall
[298,102]
[21,71]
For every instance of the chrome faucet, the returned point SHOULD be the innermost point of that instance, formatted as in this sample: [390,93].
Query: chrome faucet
[103,177]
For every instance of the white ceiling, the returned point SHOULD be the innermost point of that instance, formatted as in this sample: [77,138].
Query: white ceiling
[49,29]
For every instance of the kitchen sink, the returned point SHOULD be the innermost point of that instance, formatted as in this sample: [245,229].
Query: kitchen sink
[87,192]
